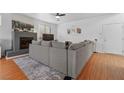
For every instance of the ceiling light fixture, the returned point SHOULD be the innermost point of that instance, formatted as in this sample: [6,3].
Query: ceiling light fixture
[58,15]
[58,18]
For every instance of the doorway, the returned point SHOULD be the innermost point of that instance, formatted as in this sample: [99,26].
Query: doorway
[113,38]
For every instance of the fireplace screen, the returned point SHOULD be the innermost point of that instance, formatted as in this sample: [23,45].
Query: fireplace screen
[25,41]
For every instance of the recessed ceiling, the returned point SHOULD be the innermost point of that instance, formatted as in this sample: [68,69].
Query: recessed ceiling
[50,17]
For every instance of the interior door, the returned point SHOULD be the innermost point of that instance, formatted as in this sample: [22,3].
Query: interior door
[113,38]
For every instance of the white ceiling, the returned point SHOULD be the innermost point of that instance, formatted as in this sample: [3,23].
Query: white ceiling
[50,17]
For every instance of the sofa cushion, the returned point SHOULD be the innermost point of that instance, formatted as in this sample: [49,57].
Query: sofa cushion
[76,46]
[87,41]
[58,44]
[46,43]
[34,42]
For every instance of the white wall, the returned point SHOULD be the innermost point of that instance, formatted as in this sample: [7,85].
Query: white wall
[5,32]
[6,28]
[91,27]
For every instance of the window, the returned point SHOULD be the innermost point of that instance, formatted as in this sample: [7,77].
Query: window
[44,29]
[47,29]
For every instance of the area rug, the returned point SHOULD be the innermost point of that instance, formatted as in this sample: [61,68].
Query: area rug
[35,70]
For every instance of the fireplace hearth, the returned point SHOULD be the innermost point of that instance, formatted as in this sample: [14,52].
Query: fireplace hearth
[24,42]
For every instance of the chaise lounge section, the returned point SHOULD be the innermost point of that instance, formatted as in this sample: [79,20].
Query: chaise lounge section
[78,55]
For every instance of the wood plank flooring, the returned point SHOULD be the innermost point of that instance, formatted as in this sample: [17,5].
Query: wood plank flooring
[103,67]
[10,71]
[99,67]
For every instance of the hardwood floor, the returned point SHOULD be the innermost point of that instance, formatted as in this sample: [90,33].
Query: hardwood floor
[10,71]
[103,67]
[99,67]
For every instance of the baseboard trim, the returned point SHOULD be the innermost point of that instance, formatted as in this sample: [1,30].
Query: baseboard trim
[17,56]
[98,52]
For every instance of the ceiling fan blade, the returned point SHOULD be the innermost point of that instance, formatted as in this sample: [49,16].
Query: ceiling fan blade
[62,14]
[57,14]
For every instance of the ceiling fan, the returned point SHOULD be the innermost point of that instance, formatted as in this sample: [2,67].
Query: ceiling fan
[58,15]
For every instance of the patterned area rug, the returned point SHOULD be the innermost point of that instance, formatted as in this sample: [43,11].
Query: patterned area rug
[37,71]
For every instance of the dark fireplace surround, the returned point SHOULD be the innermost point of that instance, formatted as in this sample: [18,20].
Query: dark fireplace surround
[20,43]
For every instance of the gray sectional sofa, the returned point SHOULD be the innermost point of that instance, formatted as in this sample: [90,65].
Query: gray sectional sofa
[68,60]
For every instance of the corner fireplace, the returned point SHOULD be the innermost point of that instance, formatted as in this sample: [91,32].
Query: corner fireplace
[24,42]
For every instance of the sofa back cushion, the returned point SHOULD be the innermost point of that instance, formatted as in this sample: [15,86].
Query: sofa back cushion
[56,44]
[34,42]
[46,43]
[76,46]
